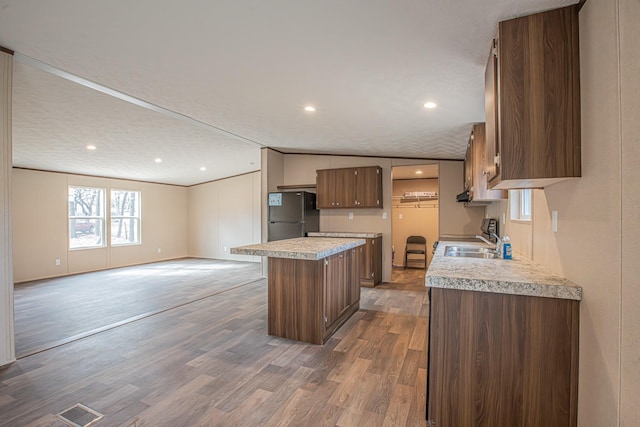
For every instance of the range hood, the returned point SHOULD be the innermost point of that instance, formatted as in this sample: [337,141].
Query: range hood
[463,197]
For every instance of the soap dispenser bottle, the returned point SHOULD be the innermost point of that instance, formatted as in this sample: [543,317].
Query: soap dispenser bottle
[506,248]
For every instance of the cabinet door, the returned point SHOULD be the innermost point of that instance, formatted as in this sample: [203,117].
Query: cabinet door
[336,291]
[354,263]
[369,187]
[492,146]
[345,188]
[376,256]
[325,184]
[479,179]
[366,262]
[468,167]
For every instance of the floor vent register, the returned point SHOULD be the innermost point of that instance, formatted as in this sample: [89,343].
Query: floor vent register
[79,416]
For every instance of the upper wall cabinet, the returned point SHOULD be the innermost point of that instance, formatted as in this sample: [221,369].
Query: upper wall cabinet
[475,174]
[349,188]
[532,101]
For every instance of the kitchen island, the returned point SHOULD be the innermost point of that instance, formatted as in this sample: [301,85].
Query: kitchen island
[313,285]
[503,342]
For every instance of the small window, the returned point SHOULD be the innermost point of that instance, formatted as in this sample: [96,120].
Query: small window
[125,217]
[86,217]
[520,204]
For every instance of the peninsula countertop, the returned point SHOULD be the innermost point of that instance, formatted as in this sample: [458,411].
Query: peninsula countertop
[305,248]
[518,276]
[345,234]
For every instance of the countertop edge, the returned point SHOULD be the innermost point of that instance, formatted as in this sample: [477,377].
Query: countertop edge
[349,235]
[310,255]
[465,274]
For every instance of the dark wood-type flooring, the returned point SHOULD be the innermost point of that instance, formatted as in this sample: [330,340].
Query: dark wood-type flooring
[211,363]
[54,311]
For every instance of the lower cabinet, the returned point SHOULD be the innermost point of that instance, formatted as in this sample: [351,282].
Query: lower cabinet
[502,360]
[309,300]
[371,268]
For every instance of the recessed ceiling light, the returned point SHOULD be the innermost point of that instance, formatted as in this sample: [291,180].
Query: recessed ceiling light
[310,108]
[203,168]
[430,105]
[418,172]
[158,160]
[91,147]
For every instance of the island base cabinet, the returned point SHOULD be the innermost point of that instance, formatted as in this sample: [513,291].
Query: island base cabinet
[371,267]
[309,300]
[502,360]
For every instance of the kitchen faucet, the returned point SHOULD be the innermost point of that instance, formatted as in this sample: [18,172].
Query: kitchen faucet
[489,242]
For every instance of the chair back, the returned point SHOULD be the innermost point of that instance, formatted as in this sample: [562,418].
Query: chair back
[417,240]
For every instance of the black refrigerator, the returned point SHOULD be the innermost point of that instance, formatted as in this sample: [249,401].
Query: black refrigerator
[292,214]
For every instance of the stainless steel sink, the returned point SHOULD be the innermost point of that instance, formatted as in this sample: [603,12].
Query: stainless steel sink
[469,252]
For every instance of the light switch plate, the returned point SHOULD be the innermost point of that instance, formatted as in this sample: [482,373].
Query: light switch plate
[399,216]
[384,215]
[554,221]
[350,215]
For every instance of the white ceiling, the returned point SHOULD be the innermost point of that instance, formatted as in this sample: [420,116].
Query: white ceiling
[229,77]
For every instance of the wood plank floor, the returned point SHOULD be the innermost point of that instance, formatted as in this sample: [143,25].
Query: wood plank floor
[211,363]
[50,312]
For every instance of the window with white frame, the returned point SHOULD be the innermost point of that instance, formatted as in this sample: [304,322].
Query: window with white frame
[125,217]
[86,217]
[520,204]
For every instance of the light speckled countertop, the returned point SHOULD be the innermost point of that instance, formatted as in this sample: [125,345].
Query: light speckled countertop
[518,276]
[309,248]
[356,234]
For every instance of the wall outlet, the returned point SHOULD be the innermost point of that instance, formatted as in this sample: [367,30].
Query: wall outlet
[57,262]
[159,250]
[350,215]
[554,221]
[504,218]
[226,249]
[399,216]
[384,215]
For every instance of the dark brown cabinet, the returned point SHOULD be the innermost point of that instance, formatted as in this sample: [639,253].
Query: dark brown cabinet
[532,101]
[336,287]
[341,287]
[502,360]
[475,173]
[309,300]
[336,188]
[369,187]
[349,188]
[371,267]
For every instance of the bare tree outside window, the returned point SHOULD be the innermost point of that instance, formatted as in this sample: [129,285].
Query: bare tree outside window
[86,217]
[125,217]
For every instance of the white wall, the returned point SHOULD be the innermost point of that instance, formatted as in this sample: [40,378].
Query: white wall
[455,218]
[7,351]
[40,221]
[629,21]
[223,214]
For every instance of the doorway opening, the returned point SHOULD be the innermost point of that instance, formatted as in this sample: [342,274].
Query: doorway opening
[414,212]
